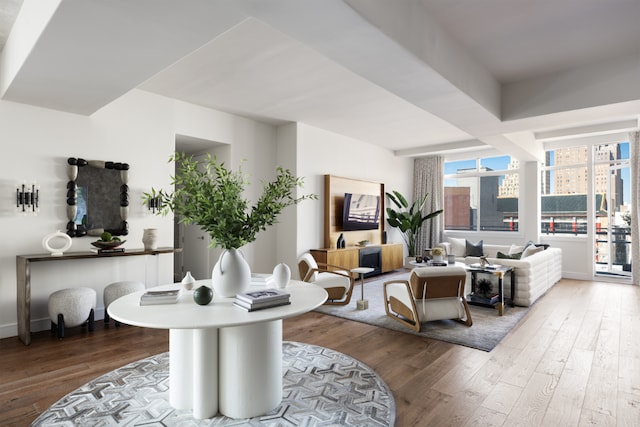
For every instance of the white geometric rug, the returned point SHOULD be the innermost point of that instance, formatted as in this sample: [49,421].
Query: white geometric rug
[322,387]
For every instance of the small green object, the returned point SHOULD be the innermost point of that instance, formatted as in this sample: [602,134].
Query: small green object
[203,295]
[105,237]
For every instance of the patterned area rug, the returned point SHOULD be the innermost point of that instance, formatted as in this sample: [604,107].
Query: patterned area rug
[487,331]
[322,387]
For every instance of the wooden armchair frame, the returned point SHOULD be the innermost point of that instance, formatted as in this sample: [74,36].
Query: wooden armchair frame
[336,295]
[429,288]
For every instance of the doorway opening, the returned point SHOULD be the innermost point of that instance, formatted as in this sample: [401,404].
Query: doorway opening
[196,255]
[613,198]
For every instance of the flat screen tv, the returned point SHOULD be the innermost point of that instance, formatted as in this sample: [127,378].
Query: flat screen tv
[360,212]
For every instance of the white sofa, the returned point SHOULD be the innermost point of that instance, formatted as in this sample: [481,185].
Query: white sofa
[535,274]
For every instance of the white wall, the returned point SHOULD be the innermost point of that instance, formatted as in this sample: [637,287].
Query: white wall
[138,129]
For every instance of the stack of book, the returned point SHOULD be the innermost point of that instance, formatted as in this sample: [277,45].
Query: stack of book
[258,300]
[261,278]
[170,296]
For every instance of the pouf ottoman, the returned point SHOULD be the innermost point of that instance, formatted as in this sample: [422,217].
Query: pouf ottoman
[116,290]
[72,307]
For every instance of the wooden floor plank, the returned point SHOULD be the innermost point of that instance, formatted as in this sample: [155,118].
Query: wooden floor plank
[574,359]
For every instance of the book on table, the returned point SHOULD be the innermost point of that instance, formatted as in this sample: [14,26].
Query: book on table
[260,306]
[257,300]
[169,296]
[261,279]
[484,299]
[263,295]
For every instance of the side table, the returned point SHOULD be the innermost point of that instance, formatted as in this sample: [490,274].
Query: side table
[362,304]
[499,272]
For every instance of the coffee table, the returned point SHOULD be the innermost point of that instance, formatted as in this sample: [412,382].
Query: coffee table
[499,271]
[221,358]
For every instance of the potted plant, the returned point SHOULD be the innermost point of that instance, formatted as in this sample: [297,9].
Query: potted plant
[210,195]
[408,218]
[438,254]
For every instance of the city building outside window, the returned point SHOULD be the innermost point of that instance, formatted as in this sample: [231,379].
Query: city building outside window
[571,175]
[481,194]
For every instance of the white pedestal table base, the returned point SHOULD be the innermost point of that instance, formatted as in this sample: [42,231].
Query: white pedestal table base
[193,371]
[250,375]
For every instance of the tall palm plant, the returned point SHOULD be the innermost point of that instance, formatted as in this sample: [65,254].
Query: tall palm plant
[408,218]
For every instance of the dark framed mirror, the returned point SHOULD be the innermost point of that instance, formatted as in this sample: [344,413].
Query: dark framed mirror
[97,197]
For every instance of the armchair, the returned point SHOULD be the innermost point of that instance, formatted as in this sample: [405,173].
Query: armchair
[337,282]
[432,293]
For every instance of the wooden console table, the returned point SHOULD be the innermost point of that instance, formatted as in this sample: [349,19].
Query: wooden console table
[23,275]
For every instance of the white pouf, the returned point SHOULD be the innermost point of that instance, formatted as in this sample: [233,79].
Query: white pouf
[116,290]
[72,307]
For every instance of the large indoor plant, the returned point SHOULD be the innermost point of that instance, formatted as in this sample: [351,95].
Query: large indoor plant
[408,218]
[211,196]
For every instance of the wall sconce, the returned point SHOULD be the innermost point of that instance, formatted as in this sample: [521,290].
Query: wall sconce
[154,204]
[27,198]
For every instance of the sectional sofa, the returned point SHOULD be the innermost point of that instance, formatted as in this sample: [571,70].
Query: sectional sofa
[537,267]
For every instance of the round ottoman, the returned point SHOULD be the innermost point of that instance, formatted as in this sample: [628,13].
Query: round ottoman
[116,290]
[71,307]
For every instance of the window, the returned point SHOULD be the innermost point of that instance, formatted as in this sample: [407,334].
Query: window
[586,191]
[481,194]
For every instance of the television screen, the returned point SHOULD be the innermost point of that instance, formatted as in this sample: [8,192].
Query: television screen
[360,212]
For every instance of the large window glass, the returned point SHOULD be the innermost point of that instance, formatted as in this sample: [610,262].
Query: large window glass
[481,194]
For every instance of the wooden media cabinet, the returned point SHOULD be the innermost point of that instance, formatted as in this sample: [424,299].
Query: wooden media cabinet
[392,257]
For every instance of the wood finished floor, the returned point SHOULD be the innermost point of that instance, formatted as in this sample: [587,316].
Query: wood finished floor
[574,360]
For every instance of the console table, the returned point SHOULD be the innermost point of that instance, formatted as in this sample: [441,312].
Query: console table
[23,276]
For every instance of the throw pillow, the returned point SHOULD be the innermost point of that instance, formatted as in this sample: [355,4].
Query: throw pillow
[474,249]
[530,250]
[514,249]
[510,256]
[457,246]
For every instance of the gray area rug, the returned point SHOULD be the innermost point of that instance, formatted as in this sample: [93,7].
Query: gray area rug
[487,331]
[322,387]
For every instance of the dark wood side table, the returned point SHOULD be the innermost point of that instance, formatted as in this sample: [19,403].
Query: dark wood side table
[500,272]
[23,276]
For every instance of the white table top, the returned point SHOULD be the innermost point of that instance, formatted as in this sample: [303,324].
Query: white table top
[219,313]
[362,270]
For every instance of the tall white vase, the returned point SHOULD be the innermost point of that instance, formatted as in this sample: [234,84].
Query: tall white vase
[231,275]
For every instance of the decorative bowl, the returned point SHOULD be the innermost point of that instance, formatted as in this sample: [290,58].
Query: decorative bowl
[107,245]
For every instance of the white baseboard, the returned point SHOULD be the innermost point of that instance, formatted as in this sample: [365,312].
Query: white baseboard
[11,329]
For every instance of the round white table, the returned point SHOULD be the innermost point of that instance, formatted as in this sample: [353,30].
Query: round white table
[221,358]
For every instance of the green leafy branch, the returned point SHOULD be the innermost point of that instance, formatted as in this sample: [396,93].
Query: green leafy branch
[211,197]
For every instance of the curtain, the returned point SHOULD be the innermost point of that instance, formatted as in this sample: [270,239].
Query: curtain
[634,148]
[428,177]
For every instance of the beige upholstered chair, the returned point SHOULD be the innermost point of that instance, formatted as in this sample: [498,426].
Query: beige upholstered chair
[432,293]
[335,280]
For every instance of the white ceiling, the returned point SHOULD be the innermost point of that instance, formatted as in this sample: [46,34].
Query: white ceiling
[413,76]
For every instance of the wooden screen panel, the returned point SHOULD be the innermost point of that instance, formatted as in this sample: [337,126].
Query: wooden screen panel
[334,189]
